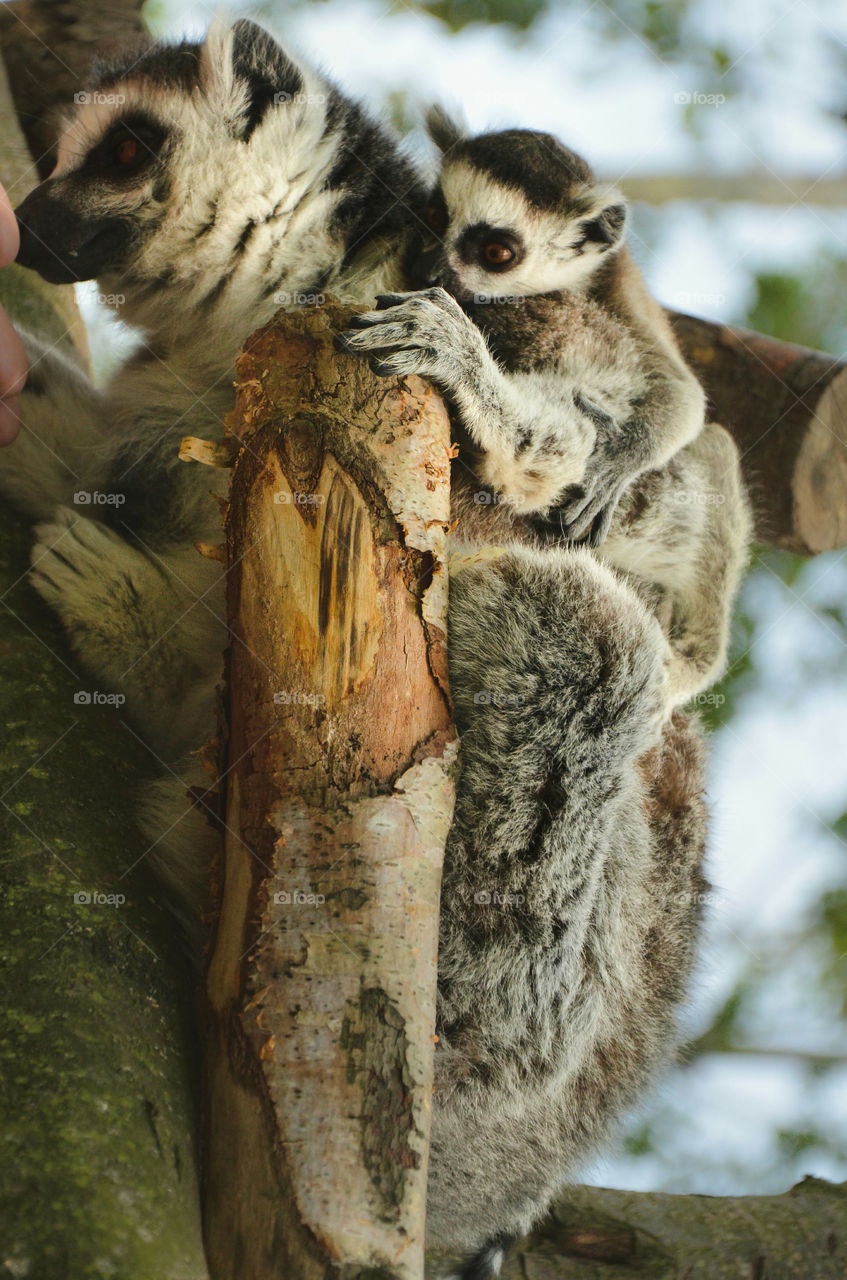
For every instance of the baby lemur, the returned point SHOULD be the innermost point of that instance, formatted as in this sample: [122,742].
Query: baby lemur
[576,405]
[210,183]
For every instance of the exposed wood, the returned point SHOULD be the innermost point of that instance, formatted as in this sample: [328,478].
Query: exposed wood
[787,408]
[48,47]
[321,986]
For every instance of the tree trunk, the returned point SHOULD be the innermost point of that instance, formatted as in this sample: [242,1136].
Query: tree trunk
[321,988]
[787,408]
[98,1174]
[595,1234]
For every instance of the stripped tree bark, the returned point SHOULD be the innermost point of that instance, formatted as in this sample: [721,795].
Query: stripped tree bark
[321,987]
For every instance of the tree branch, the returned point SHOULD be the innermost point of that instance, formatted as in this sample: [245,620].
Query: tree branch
[321,988]
[787,409]
[598,1234]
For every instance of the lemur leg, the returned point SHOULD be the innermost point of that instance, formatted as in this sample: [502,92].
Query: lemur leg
[687,529]
[58,451]
[533,435]
[133,620]
[558,674]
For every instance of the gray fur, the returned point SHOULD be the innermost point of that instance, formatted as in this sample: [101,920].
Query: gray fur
[579,807]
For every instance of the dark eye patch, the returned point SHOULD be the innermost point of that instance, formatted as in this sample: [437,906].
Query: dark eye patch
[129,148]
[474,240]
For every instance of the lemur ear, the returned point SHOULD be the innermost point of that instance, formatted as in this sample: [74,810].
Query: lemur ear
[443,129]
[605,228]
[246,71]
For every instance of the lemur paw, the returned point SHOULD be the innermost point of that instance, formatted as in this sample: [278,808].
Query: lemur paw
[424,333]
[586,512]
[76,568]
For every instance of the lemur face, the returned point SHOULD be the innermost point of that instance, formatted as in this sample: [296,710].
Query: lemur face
[172,159]
[88,217]
[516,214]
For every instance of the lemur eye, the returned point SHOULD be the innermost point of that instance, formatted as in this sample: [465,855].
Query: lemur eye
[435,218]
[497,254]
[125,151]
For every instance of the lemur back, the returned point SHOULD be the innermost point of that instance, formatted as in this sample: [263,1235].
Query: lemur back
[226,181]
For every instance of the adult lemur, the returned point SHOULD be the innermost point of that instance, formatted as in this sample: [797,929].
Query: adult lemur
[202,184]
[577,407]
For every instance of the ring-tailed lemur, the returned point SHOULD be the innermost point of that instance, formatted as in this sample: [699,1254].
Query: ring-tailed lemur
[203,183]
[577,407]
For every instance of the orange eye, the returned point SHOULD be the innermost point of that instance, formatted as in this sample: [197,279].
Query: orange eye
[497,254]
[126,151]
[435,219]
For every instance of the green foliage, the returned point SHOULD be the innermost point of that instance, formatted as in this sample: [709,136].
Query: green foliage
[807,308]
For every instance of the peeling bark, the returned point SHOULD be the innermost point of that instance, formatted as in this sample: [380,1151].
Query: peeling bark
[321,987]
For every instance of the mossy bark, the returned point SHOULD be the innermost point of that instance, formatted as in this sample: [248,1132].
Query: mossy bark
[598,1234]
[98,1169]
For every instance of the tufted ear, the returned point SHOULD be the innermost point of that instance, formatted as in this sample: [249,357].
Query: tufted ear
[605,227]
[246,72]
[445,132]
